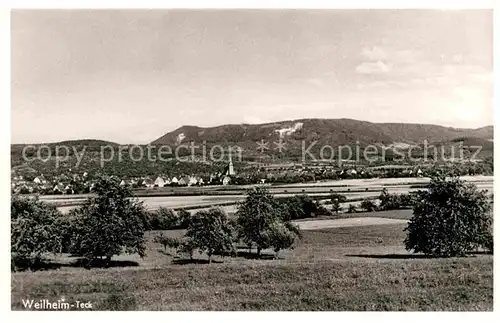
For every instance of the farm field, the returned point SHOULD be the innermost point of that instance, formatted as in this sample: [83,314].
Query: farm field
[387,181]
[362,267]
[347,222]
[366,188]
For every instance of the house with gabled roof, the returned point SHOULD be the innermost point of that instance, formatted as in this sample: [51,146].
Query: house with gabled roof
[68,189]
[192,181]
[159,182]
[184,180]
[58,188]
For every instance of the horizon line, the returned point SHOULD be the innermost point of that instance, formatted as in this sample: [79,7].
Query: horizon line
[247,123]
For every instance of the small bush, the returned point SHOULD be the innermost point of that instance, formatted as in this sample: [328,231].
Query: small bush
[167,219]
[336,208]
[368,205]
[184,218]
[170,242]
[300,207]
[395,201]
[321,210]
[164,219]
[337,197]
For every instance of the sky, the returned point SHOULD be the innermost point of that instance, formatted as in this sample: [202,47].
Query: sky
[131,76]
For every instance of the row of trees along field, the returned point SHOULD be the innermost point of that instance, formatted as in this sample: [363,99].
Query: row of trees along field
[450,218]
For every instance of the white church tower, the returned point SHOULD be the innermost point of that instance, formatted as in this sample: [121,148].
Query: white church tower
[230,170]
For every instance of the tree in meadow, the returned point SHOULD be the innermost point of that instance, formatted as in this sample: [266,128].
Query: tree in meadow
[211,232]
[262,222]
[255,215]
[109,223]
[34,231]
[450,218]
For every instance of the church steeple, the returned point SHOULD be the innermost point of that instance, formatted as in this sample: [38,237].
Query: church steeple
[230,171]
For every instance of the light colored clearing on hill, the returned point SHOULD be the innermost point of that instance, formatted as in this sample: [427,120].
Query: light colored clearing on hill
[350,222]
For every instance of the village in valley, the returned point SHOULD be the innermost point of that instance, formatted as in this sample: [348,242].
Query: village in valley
[81,183]
[74,182]
[71,181]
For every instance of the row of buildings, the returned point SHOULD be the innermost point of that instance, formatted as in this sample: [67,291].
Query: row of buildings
[225,178]
[162,181]
[83,183]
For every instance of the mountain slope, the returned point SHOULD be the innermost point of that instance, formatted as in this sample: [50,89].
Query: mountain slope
[331,131]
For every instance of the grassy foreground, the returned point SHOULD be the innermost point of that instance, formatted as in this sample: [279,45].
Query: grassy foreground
[352,268]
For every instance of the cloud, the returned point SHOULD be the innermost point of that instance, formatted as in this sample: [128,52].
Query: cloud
[377,60]
[378,67]
[404,68]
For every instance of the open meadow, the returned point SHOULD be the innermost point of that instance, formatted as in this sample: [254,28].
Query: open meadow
[359,267]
